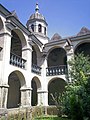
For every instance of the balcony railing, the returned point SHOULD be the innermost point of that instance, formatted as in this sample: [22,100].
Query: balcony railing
[17,61]
[36,69]
[56,70]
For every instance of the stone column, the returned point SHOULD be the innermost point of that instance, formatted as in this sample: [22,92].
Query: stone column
[26,97]
[6,59]
[70,55]
[27,55]
[6,40]
[42,98]
[3,96]
[44,92]
[0,96]
[44,66]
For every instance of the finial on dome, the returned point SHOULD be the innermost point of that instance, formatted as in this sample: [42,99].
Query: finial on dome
[37,8]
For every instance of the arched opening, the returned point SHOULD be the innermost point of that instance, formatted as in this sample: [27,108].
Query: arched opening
[34,93]
[36,60]
[40,28]
[57,62]
[55,88]
[1,25]
[44,30]
[16,45]
[32,27]
[1,53]
[57,57]
[15,81]
[83,48]
[18,55]
[34,56]
[14,95]
[1,40]
[35,84]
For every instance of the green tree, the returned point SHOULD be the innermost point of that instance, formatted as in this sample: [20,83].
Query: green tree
[76,99]
[79,68]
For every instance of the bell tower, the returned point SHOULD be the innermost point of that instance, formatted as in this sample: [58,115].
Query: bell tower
[38,25]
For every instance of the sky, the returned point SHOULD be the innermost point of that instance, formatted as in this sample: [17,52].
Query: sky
[65,17]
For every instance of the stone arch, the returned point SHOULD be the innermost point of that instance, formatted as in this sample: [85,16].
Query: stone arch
[56,86]
[1,40]
[18,43]
[21,36]
[1,24]
[57,56]
[83,47]
[16,80]
[36,86]
[36,55]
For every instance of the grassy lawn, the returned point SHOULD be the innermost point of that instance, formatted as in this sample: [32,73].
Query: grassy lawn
[50,118]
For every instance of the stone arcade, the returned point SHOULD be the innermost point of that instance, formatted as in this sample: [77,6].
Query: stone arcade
[32,66]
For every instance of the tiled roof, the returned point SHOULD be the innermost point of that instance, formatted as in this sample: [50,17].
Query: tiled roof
[56,36]
[83,31]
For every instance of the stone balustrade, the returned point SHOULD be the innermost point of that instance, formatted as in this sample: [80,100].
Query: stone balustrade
[36,69]
[17,61]
[56,70]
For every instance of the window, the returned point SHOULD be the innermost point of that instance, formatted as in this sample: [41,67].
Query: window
[1,53]
[39,28]
[1,25]
[32,27]
[44,30]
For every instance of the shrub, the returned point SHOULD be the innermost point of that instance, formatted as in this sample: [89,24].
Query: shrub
[75,101]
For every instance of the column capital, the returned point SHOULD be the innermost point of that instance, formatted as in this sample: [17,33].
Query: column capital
[42,91]
[25,88]
[4,86]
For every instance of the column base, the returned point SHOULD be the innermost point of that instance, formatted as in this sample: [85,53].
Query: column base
[26,97]
[42,98]
[3,94]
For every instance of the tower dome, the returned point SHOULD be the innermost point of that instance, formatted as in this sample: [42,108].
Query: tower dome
[38,25]
[34,18]
[37,15]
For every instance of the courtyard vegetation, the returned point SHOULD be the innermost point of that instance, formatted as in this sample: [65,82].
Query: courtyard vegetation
[75,101]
